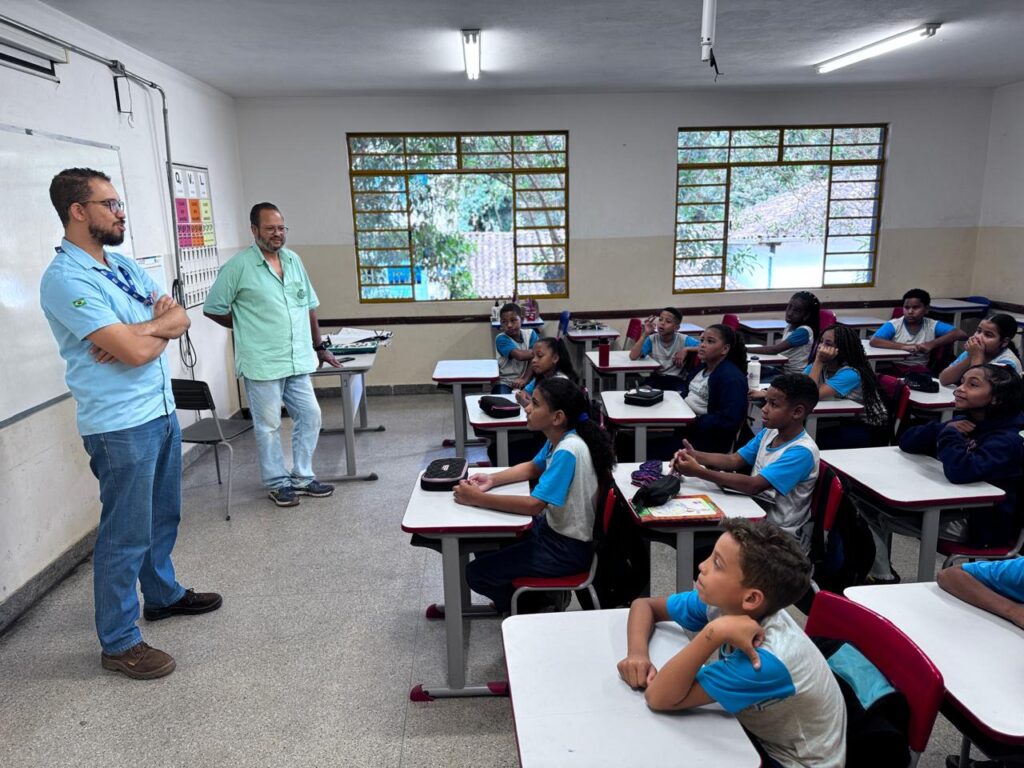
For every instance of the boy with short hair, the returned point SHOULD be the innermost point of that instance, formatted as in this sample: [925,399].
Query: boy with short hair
[767,672]
[661,341]
[782,456]
[514,350]
[915,332]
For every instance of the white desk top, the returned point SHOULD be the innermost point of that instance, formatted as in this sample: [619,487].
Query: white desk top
[731,504]
[980,656]
[951,305]
[671,410]
[938,400]
[478,418]
[691,328]
[601,333]
[435,512]
[466,370]
[906,479]
[572,709]
[343,335]
[358,363]
[618,360]
[836,406]
[878,353]
[764,325]
[753,351]
[861,321]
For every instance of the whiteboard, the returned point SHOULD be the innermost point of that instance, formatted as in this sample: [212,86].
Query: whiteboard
[31,368]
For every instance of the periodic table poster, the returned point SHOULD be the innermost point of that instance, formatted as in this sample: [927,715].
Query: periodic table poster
[197,241]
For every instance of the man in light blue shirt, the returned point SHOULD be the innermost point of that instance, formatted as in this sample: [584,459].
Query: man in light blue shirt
[265,296]
[112,328]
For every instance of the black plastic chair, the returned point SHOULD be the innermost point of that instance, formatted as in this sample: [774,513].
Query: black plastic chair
[195,396]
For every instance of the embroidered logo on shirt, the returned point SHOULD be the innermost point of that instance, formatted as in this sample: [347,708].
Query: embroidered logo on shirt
[78,303]
[301,293]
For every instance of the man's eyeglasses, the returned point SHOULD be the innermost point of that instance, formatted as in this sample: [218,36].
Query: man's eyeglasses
[114,205]
[276,230]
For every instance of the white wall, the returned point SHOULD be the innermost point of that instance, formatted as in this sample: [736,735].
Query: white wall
[999,266]
[622,185]
[48,497]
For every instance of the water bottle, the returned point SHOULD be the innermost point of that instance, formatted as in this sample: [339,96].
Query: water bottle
[754,373]
[604,353]
[496,312]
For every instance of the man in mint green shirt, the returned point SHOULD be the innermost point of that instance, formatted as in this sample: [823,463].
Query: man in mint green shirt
[264,295]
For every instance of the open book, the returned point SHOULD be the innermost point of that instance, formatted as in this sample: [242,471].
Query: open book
[689,508]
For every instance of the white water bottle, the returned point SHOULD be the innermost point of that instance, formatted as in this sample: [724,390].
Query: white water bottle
[496,312]
[754,374]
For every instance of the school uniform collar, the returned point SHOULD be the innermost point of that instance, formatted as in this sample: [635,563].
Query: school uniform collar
[258,257]
[83,259]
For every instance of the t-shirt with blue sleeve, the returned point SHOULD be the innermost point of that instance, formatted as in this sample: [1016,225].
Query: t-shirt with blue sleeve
[1003,576]
[793,466]
[844,381]
[688,341]
[886,332]
[1005,357]
[505,344]
[568,486]
[559,468]
[799,336]
[792,704]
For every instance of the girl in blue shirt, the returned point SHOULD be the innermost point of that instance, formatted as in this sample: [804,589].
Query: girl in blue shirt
[550,359]
[841,370]
[991,343]
[717,391]
[570,470]
[803,317]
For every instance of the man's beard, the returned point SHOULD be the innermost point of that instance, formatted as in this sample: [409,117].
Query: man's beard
[267,247]
[106,236]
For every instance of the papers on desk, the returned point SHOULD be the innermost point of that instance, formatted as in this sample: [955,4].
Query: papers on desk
[345,337]
[683,508]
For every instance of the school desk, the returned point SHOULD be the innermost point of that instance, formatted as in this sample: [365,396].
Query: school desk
[584,340]
[619,364]
[861,323]
[941,401]
[754,353]
[571,709]
[435,515]
[980,655]
[874,354]
[732,505]
[357,366]
[830,409]
[501,427]
[457,373]
[912,483]
[767,327]
[672,411]
[957,308]
[691,329]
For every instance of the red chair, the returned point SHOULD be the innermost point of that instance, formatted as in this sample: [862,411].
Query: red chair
[897,313]
[902,406]
[733,321]
[896,656]
[572,582]
[955,551]
[826,318]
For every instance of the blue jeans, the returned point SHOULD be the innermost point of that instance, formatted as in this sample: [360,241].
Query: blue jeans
[265,399]
[139,470]
[541,552]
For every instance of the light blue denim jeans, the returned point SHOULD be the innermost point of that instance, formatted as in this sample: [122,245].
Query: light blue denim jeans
[265,399]
[139,470]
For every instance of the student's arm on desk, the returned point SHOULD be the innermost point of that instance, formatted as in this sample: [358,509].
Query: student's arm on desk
[473,492]
[963,585]
[139,343]
[636,670]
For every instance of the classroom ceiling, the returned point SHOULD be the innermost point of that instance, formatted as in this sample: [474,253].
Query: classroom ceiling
[254,48]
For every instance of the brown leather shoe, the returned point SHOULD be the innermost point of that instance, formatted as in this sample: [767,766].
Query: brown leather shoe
[191,602]
[140,662]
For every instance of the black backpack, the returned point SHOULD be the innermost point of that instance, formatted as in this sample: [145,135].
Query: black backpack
[846,557]
[623,561]
[876,737]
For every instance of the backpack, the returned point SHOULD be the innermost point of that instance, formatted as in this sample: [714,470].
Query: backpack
[877,736]
[623,561]
[846,557]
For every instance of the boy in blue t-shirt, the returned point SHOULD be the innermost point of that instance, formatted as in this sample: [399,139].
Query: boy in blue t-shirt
[915,332]
[661,341]
[783,458]
[746,652]
[996,586]
[514,349]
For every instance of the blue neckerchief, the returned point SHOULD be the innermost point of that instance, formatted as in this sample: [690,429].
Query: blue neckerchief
[128,285]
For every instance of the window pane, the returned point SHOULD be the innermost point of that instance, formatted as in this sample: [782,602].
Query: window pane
[430,144]
[855,172]
[702,176]
[540,160]
[696,213]
[378,183]
[389,292]
[806,153]
[853,190]
[703,156]
[540,237]
[851,226]
[867,152]
[850,244]
[548,199]
[486,144]
[807,136]
[754,155]
[541,272]
[433,162]
[389,258]
[698,267]
[869,135]
[540,181]
[487,161]
[702,194]
[700,250]
[848,278]
[548,218]
[708,283]
[378,162]
[700,231]
[539,143]
[861,208]
[547,253]
[382,239]
[375,145]
[382,221]
[390,201]
[760,137]
[388,276]
[703,138]
[551,288]
[837,261]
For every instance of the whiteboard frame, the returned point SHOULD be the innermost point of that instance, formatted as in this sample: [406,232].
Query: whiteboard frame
[8,128]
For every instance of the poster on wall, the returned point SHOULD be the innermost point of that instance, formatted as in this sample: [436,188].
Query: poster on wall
[197,240]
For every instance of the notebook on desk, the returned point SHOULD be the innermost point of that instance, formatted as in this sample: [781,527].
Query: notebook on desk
[689,508]
[354,348]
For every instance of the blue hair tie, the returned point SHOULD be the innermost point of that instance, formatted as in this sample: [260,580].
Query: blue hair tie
[583,417]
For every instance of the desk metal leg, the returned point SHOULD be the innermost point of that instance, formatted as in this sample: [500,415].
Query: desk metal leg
[588,376]
[363,416]
[454,636]
[929,542]
[350,437]
[460,423]
[502,447]
[769,338]
[640,443]
[620,380]
[684,559]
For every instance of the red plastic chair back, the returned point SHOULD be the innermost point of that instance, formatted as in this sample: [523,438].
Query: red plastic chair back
[896,656]
[897,313]
[826,318]
[608,511]
[733,321]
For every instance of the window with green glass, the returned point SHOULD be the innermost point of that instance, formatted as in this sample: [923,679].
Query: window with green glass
[779,207]
[460,216]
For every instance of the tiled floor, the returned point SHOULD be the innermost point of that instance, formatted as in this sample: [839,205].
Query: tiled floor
[311,658]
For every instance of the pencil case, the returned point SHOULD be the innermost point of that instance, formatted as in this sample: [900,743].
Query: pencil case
[444,474]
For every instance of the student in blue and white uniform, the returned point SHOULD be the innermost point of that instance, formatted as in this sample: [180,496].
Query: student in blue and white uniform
[513,348]
[915,332]
[991,343]
[803,316]
[575,462]
[661,341]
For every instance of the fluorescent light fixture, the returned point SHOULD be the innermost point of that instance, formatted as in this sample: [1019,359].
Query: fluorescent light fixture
[882,46]
[471,52]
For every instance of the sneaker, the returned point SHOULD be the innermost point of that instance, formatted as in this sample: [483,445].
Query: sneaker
[192,602]
[284,497]
[315,488]
[877,580]
[140,662]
